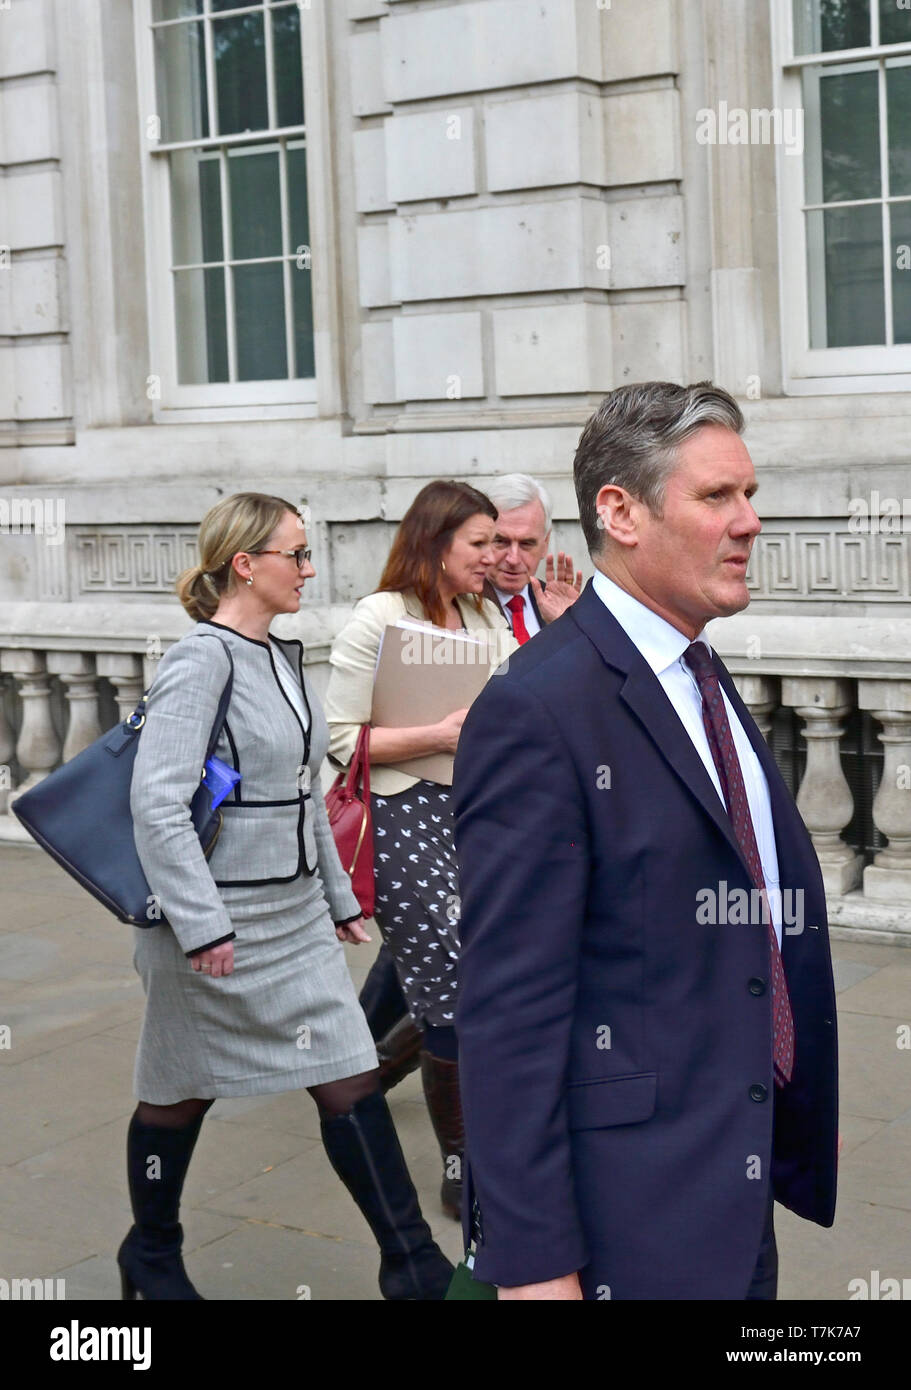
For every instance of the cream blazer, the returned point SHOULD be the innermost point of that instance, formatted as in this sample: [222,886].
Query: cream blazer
[349,698]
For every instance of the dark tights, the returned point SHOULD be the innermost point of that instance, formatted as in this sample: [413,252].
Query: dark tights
[177,1116]
[332,1098]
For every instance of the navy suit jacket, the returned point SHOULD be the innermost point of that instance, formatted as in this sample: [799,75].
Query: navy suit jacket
[615,1052]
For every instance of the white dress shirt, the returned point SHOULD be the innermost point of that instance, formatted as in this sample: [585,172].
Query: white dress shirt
[662,646]
[531,618]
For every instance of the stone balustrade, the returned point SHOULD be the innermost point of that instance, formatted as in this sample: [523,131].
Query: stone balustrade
[54,702]
[825,669]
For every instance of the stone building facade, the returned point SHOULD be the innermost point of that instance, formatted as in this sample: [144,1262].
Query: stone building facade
[336,248]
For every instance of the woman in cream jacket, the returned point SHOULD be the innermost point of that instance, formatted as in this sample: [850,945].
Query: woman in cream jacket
[435,574]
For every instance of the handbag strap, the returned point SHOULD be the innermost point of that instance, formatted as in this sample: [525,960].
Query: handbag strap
[221,713]
[359,771]
[135,721]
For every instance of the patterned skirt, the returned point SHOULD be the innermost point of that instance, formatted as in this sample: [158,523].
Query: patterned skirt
[417,895]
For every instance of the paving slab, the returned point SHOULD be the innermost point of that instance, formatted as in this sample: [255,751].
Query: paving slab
[874,1074]
[817,1262]
[850,972]
[886,991]
[265,1217]
[260,1262]
[879,1170]
[60,1094]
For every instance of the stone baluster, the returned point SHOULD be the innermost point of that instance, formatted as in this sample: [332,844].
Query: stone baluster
[7,749]
[888,878]
[77,675]
[760,695]
[38,747]
[824,799]
[124,671]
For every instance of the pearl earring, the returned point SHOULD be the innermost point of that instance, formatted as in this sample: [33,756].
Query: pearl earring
[443,564]
[250,580]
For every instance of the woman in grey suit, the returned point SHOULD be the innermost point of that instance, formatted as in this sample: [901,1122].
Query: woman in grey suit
[247,989]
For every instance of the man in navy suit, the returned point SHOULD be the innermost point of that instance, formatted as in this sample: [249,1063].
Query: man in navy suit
[646,1011]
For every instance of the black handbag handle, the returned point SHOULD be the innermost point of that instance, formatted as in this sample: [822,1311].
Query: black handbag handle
[221,713]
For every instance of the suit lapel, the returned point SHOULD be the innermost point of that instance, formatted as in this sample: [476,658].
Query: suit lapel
[643,693]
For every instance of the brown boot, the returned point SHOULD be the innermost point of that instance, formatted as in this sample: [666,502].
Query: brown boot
[399,1052]
[441,1091]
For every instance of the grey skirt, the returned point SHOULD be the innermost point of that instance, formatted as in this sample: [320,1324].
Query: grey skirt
[288,1017]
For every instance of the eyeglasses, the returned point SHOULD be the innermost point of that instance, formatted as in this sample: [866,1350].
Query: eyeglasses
[300,557]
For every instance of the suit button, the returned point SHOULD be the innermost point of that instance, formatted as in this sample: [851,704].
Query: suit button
[756,986]
[758,1092]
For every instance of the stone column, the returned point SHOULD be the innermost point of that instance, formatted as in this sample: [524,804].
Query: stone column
[824,799]
[888,878]
[77,675]
[760,695]
[38,747]
[124,671]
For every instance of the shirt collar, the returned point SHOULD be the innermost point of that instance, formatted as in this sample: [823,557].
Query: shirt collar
[504,597]
[660,643]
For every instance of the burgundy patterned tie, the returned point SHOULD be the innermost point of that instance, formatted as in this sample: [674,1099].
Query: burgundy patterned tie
[724,754]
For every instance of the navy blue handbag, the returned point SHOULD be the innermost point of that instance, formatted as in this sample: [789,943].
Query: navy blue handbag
[80,814]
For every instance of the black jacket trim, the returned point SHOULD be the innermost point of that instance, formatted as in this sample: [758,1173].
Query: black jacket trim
[302,865]
[224,627]
[197,950]
[301,868]
[255,805]
[236,797]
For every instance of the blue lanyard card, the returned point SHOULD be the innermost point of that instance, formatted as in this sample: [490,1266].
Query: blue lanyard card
[220,779]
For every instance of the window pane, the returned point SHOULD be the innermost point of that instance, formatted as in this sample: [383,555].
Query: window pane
[849,127]
[301,266]
[195,207]
[823,26]
[240,73]
[256,215]
[289,81]
[898,87]
[175,9]
[202,344]
[297,198]
[180,85]
[901,271]
[233,4]
[259,310]
[845,273]
[302,289]
[894,23]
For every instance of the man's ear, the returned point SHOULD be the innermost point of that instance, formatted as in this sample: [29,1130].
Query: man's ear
[618,514]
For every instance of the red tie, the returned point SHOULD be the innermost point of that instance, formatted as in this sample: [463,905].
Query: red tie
[724,754]
[516,606]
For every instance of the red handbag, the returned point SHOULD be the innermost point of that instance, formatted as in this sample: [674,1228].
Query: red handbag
[348,808]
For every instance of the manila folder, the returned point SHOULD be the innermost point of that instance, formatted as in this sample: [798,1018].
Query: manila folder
[421,676]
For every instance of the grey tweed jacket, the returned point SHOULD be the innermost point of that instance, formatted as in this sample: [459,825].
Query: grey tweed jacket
[274,827]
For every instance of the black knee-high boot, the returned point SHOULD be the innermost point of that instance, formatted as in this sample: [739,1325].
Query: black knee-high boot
[151,1265]
[364,1150]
